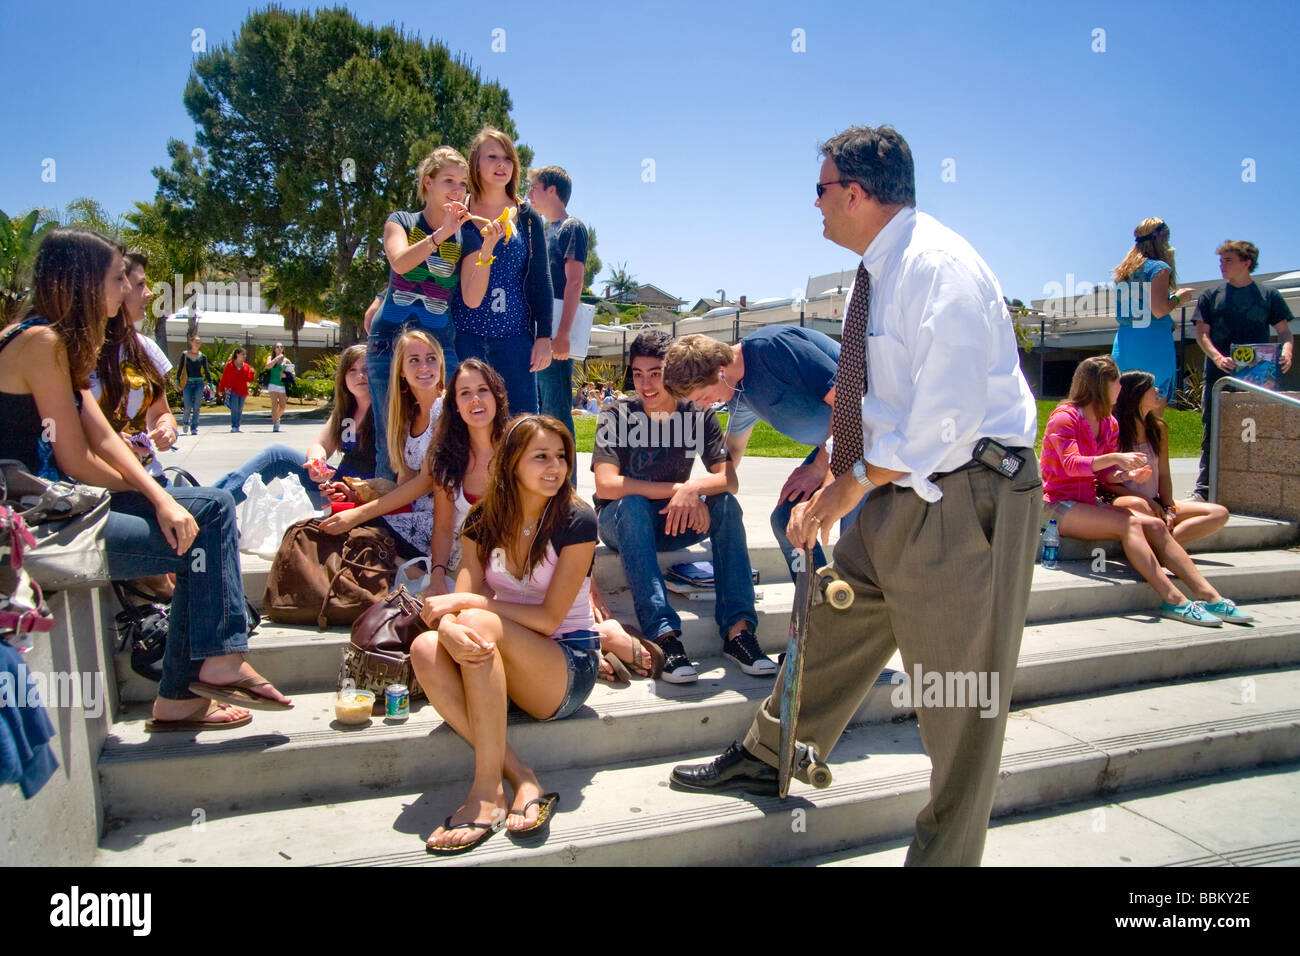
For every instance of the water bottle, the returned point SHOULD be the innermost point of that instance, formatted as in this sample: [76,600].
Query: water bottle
[1051,545]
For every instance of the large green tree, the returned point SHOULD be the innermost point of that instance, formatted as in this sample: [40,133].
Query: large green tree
[309,127]
[19,238]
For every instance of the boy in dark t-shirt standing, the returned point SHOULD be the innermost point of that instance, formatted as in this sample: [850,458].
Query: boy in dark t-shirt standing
[566,251]
[1238,312]
[648,502]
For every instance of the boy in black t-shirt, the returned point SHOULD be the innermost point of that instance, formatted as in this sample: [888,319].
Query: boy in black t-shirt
[1238,312]
[648,502]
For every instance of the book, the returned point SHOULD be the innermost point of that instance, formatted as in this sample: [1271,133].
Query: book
[1257,364]
[697,574]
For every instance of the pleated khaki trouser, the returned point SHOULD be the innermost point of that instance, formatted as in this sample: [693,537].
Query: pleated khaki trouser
[948,585]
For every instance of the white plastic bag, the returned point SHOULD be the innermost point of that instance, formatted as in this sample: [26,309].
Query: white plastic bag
[416,582]
[265,516]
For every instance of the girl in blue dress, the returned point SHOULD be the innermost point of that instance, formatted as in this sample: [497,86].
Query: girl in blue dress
[1145,338]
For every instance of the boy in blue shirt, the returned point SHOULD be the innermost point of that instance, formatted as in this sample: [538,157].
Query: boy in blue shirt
[781,374]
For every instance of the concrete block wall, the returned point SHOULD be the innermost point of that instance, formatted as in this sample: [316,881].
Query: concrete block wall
[1259,456]
[60,825]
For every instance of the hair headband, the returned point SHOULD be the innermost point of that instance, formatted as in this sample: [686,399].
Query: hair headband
[1163,227]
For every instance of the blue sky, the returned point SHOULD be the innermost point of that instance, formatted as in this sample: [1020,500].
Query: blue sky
[1058,151]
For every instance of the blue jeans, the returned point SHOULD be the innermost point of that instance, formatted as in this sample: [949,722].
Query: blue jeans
[511,358]
[555,391]
[582,662]
[207,613]
[781,520]
[379,364]
[236,403]
[633,527]
[555,397]
[274,461]
[192,396]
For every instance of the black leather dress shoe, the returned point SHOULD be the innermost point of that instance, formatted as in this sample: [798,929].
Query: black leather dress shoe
[736,769]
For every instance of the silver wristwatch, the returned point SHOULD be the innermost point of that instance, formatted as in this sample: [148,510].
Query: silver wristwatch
[860,473]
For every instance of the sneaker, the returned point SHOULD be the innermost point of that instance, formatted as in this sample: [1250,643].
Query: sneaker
[1228,611]
[275,426]
[744,650]
[1191,612]
[677,666]
[1197,495]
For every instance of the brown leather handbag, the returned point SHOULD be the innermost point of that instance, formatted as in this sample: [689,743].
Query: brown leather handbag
[379,653]
[328,579]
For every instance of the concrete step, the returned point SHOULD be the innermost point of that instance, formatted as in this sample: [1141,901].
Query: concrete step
[282,758]
[1074,589]
[623,813]
[1235,818]
[1241,533]
[305,659]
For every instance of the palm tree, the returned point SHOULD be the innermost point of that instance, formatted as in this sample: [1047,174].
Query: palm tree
[298,287]
[621,283]
[87,212]
[160,230]
[18,241]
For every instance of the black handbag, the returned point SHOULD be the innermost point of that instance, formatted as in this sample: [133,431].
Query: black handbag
[143,628]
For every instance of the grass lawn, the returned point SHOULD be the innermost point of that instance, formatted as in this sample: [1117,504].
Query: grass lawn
[766,441]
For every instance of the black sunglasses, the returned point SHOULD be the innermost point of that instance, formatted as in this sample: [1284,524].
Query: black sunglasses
[821,187]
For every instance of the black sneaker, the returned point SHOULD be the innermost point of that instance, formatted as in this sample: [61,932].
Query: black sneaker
[677,666]
[744,650]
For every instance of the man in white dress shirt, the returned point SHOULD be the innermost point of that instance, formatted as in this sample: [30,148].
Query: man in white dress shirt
[941,556]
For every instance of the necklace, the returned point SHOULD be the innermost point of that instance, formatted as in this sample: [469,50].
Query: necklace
[529,531]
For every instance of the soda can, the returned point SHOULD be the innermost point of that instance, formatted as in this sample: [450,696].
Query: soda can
[397,702]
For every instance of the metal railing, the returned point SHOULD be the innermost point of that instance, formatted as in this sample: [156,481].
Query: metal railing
[1229,382]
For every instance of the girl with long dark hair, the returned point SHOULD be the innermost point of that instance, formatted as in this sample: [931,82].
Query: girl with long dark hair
[56,429]
[1141,429]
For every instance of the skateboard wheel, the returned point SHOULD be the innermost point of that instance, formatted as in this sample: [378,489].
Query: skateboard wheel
[838,594]
[819,775]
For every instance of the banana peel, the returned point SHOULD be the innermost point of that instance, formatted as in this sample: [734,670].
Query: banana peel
[507,219]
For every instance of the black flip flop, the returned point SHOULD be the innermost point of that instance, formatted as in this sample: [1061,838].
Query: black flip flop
[487,828]
[546,806]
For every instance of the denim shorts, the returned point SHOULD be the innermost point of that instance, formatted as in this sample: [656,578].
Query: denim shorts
[582,658]
[1055,510]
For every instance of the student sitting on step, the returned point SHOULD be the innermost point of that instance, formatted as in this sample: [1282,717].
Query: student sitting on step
[55,427]
[648,502]
[456,473]
[1079,447]
[529,544]
[1141,429]
[414,407]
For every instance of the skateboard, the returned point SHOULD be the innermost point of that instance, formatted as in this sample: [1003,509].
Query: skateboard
[810,587]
